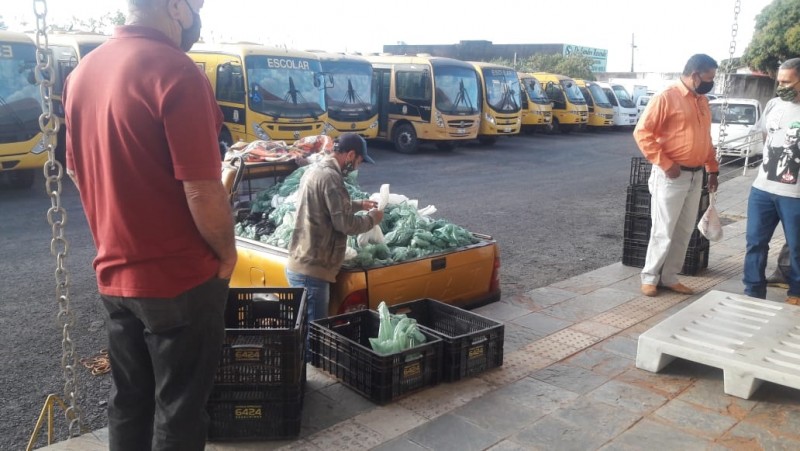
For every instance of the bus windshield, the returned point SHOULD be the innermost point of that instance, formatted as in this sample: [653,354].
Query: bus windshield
[623,97]
[351,92]
[535,91]
[599,96]
[456,90]
[20,101]
[503,92]
[573,92]
[285,87]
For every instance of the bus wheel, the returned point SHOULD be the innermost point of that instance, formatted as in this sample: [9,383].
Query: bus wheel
[487,140]
[225,140]
[446,145]
[405,139]
[21,178]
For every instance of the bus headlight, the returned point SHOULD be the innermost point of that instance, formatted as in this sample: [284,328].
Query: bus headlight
[327,128]
[373,125]
[39,147]
[260,132]
[489,118]
[439,120]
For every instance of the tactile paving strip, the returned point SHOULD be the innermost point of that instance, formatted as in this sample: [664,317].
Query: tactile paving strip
[751,340]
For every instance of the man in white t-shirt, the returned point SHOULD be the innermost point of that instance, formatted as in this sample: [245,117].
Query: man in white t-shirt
[775,195]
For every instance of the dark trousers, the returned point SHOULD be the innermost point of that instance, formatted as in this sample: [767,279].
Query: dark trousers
[164,354]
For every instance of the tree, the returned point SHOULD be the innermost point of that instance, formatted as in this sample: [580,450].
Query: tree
[574,66]
[102,24]
[776,37]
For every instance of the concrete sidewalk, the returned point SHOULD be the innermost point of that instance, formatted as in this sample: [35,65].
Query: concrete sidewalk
[568,381]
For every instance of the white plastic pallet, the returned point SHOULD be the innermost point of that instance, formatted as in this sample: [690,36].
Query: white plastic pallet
[751,340]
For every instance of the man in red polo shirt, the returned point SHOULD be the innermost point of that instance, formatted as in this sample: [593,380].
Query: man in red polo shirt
[142,128]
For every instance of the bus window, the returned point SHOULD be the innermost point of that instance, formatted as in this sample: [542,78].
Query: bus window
[230,83]
[284,87]
[413,85]
[556,95]
[19,96]
[456,90]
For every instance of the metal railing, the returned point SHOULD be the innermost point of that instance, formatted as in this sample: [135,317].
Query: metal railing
[743,151]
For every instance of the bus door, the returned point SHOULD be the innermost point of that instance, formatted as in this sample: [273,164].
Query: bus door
[231,96]
[556,94]
[382,82]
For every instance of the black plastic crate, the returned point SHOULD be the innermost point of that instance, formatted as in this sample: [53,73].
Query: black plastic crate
[634,253]
[250,413]
[264,337]
[340,346]
[641,168]
[472,343]
[640,171]
[637,228]
[637,201]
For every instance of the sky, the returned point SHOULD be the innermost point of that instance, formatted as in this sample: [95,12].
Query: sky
[666,33]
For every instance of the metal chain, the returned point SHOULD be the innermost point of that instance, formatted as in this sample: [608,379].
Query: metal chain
[56,215]
[726,85]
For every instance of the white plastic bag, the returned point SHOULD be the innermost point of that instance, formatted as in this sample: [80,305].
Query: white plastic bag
[710,225]
[375,235]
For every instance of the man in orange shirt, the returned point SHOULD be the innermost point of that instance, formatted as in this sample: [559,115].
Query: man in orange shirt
[674,134]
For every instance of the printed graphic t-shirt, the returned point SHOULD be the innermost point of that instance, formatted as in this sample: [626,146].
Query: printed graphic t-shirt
[779,169]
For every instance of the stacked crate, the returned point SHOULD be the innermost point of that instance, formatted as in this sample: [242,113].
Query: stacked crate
[259,386]
[638,222]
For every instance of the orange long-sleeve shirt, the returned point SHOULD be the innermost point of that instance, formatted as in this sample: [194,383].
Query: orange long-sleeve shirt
[676,128]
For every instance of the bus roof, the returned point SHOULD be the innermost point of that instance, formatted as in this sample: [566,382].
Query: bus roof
[416,59]
[485,65]
[13,36]
[68,38]
[330,56]
[248,48]
[548,75]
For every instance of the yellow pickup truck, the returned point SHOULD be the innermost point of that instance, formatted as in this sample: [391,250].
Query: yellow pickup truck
[467,276]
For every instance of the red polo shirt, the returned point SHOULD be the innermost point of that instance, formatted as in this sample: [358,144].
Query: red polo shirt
[141,118]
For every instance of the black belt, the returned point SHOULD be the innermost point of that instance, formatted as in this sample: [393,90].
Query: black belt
[686,168]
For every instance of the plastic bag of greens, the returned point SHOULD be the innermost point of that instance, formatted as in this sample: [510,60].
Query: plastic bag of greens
[396,333]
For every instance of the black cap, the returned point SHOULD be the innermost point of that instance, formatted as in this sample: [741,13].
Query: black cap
[351,141]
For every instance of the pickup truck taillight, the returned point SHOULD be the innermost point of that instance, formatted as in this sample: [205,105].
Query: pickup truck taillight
[357,300]
[495,285]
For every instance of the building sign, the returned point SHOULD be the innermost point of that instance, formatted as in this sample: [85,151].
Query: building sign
[599,56]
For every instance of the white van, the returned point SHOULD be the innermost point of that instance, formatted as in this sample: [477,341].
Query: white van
[740,139]
[625,113]
[641,104]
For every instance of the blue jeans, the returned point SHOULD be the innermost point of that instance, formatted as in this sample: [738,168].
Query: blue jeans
[318,293]
[764,211]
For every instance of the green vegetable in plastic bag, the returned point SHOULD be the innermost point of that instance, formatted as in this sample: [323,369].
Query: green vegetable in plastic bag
[396,333]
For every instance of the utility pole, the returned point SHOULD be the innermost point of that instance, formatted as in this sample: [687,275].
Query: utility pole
[633,46]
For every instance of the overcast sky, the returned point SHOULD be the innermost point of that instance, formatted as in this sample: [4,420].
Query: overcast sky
[666,33]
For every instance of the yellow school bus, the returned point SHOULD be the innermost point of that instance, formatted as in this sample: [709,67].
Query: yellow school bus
[264,92]
[601,113]
[22,152]
[501,101]
[349,96]
[68,50]
[425,99]
[569,107]
[537,110]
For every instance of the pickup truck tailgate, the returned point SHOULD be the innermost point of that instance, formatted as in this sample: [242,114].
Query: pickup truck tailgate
[460,275]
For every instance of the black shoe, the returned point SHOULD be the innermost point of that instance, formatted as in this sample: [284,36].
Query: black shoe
[777,280]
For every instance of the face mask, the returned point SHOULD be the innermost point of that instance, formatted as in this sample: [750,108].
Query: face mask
[348,168]
[786,93]
[704,87]
[192,34]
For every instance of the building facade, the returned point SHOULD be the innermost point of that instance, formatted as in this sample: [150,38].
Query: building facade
[487,51]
